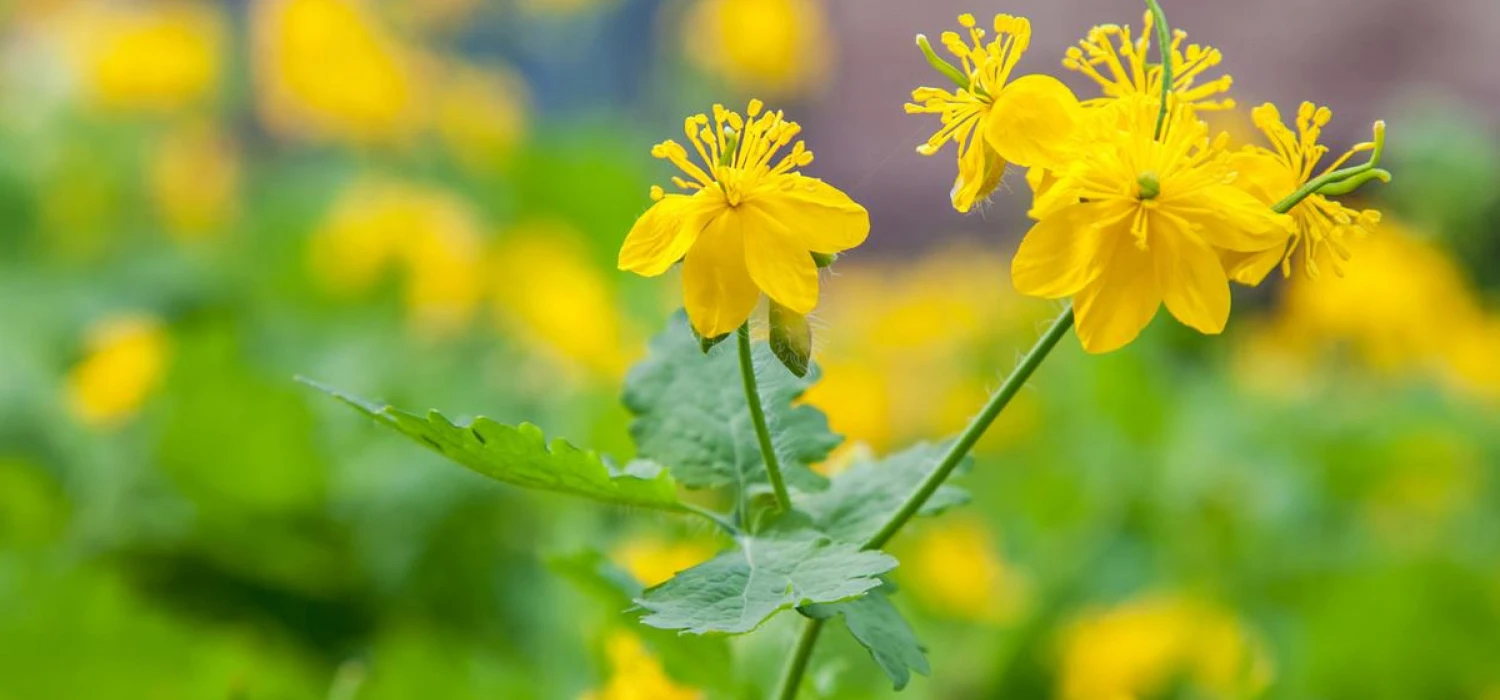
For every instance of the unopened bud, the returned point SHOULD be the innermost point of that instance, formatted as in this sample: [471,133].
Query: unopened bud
[791,339]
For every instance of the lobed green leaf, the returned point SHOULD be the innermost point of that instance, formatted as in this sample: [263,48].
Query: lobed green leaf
[859,499]
[777,569]
[521,455]
[691,415]
[878,626]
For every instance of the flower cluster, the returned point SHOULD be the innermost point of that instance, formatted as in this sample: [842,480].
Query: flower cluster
[1136,204]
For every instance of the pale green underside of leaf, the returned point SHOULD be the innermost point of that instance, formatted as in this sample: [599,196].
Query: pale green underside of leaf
[736,591]
[879,627]
[691,415]
[859,499]
[520,455]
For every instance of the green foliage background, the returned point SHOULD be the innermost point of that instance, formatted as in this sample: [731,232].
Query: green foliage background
[238,535]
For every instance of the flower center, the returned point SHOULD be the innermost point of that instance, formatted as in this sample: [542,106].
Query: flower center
[1149,185]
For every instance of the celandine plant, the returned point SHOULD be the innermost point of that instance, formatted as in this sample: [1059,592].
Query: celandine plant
[1136,206]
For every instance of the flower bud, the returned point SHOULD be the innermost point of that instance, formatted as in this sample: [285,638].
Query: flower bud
[791,339]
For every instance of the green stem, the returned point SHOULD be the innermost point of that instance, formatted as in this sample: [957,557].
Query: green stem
[712,517]
[1317,183]
[975,430]
[791,677]
[1164,39]
[758,417]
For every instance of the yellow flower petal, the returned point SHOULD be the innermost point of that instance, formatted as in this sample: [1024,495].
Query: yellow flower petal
[1032,121]
[1056,258]
[1121,302]
[716,288]
[824,219]
[778,262]
[979,172]
[1231,219]
[1250,269]
[1192,282]
[665,232]
[1260,173]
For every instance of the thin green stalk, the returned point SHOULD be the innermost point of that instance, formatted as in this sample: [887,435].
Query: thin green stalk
[791,677]
[975,429]
[1164,41]
[758,417]
[712,517]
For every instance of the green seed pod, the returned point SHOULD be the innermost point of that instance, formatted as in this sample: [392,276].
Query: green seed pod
[791,339]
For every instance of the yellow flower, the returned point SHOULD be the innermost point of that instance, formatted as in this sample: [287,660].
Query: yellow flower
[636,674]
[481,115]
[432,236]
[194,179]
[151,56]
[1134,222]
[126,360]
[993,119]
[548,292]
[1138,648]
[328,69]
[954,568]
[769,47]
[1127,71]
[1324,227]
[745,226]
[652,560]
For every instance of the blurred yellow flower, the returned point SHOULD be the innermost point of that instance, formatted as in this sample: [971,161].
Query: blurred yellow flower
[1472,366]
[953,567]
[1390,327]
[1141,647]
[549,293]
[330,69]
[652,560]
[1128,69]
[1324,228]
[748,224]
[910,355]
[769,47]
[480,114]
[991,118]
[636,674]
[432,236]
[149,56]
[1135,222]
[125,362]
[194,179]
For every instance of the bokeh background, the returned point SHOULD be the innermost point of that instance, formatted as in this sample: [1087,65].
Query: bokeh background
[420,200]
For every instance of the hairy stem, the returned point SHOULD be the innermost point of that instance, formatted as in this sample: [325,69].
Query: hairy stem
[791,677]
[758,417]
[975,430]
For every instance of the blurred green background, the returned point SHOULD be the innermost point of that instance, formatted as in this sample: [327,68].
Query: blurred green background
[421,201]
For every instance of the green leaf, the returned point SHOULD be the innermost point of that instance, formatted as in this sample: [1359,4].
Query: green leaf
[860,498]
[878,626]
[691,415]
[766,573]
[704,662]
[521,455]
